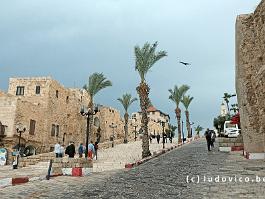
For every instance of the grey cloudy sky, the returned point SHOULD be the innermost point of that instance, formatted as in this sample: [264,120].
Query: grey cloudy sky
[69,40]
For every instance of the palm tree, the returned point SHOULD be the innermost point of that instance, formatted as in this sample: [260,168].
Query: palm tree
[145,58]
[96,82]
[198,129]
[226,98]
[176,96]
[186,100]
[126,101]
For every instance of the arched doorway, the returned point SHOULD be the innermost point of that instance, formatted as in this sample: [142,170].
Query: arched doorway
[30,150]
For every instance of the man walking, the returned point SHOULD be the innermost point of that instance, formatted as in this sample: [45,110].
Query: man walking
[158,138]
[207,135]
[91,150]
[70,150]
[57,149]
[80,150]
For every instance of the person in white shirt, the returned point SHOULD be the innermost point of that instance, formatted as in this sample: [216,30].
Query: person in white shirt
[61,151]
[57,149]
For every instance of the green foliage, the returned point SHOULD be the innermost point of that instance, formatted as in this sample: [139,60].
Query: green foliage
[220,120]
[176,94]
[96,82]
[146,57]
[186,100]
[126,101]
[198,129]
[227,98]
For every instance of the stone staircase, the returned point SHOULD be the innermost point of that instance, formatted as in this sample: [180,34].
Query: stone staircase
[35,159]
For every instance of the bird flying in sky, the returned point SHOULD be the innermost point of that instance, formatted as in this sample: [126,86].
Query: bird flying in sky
[185,63]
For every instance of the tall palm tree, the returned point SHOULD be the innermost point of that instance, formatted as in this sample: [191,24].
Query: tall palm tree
[186,100]
[96,82]
[226,99]
[176,96]
[198,129]
[145,58]
[126,101]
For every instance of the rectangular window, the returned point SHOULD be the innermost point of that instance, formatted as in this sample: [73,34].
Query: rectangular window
[32,125]
[51,149]
[53,130]
[20,90]
[37,90]
[57,130]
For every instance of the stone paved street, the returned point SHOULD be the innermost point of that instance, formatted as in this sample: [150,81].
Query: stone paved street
[162,177]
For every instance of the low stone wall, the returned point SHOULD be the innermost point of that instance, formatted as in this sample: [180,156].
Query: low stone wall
[231,144]
[72,166]
[34,159]
[108,144]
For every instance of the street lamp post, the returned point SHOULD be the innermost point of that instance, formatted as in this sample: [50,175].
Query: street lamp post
[191,123]
[135,126]
[113,126]
[182,132]
[163,125]
[88,113]
[20,129]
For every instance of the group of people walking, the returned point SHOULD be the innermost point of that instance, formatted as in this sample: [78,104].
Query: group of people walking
[70,150]
[158,137]
[210,138]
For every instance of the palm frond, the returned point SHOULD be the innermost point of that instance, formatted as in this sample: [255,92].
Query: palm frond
[186,100]
[146,57]
[176,94]
[96,82]
[126,100]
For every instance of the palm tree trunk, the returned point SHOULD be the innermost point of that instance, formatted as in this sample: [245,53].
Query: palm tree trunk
[178,116]
[126,117]
[143,91]
[188,123]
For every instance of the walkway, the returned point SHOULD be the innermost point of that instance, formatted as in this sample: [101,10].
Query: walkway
[167,176]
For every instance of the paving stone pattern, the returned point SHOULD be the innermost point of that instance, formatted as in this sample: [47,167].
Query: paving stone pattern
[161,177]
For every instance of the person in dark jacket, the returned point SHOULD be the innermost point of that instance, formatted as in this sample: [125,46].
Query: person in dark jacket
[158,138]
[207,135]
[81,150]
[96,150]
[70,150]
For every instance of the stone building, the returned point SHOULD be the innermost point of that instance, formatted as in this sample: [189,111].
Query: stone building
[223,109]
[250,80]
[155,116]
[108,122]
[50,113]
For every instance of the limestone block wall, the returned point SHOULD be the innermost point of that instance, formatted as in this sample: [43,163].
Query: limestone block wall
[250,77]
[8,106]
[107,116]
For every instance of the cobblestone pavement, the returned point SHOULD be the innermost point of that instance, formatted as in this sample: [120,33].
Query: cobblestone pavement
[161,177]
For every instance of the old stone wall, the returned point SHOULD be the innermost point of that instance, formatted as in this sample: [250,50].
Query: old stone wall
[250,77]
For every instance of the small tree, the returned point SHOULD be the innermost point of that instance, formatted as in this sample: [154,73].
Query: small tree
[126,101]
[198,129]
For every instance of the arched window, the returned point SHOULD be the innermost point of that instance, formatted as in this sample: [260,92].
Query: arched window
[96,122]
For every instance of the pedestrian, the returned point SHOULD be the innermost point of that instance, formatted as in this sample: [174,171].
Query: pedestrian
[81,150]
[158,138]
[207,135]
[91,151]
[61,151]
[150,138]
[57,149]
[213,136]
[96,150]
[70,150]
